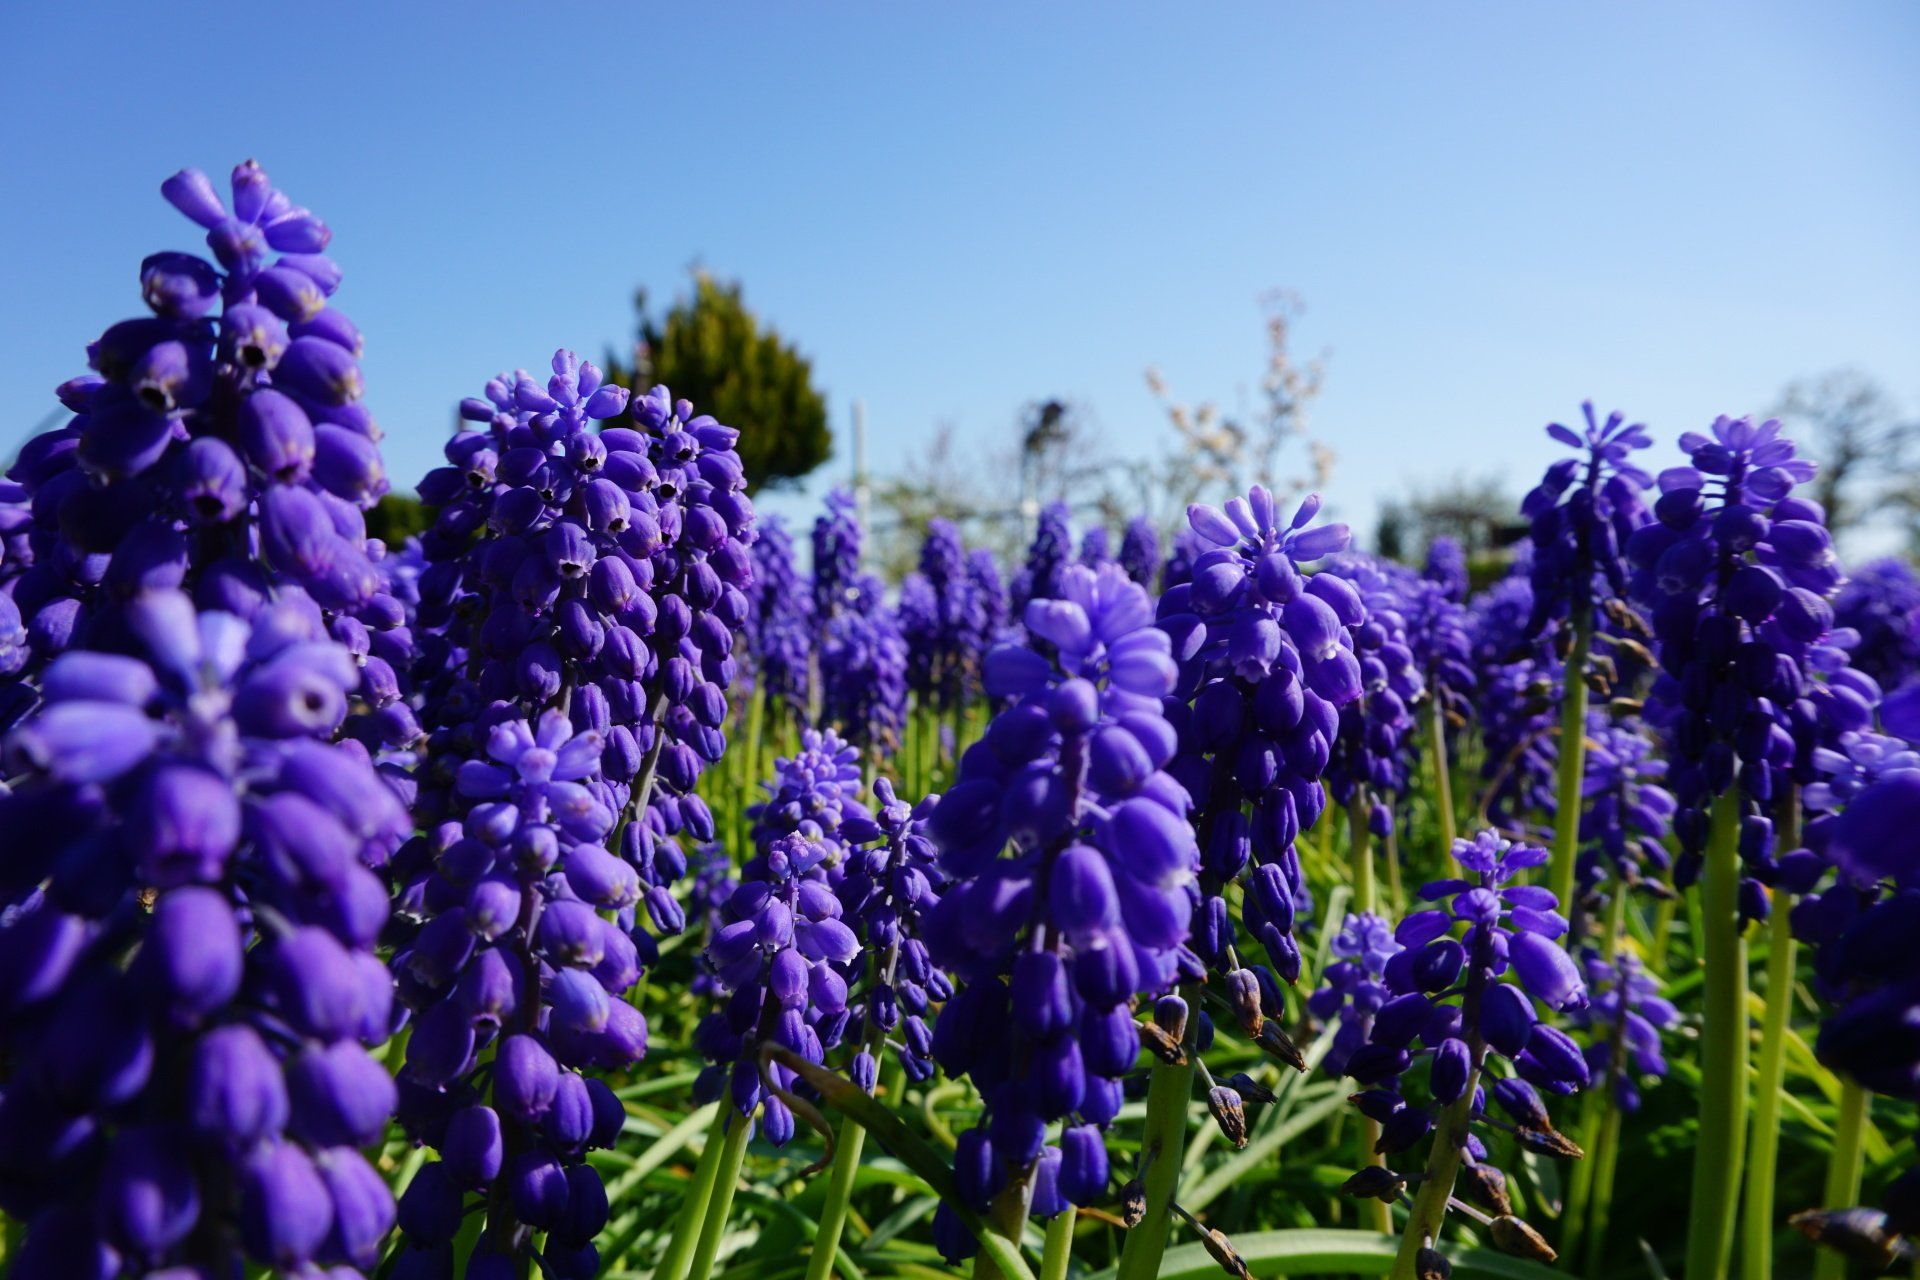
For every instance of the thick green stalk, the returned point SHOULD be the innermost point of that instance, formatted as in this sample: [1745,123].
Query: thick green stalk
[1006,1218]
[1721,1148]
[1442,774]
[1756,1226]
[1163,1147]
[726,1179]
[1059,1248]
[1573,764]
[1365,895]
[693,1209]
[833,1214]
[1843,1171]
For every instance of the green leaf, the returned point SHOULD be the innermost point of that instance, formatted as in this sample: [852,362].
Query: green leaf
[1341,1253]
[905,1145]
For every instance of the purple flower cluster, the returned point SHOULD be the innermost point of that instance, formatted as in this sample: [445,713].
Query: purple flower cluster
[1519,680]
[187,977]
[1880,603]
[1096,547]
[836,554]
[1735,574]
[1451,1007]
[779,627]
[1627,813]
[601,572]
[942,620]
[987,611]
[863,654]
[219,445]
[863,669]
[1873,1033]
[1072,864]
[1442,646]
[1624,1018]
[1581,515]
[815,792]
[516,980]
[779,953]
[1050,554]
[1266,669]
[1140,552]
[1352,990]
[1447,568]
[1371,754]
[887,889]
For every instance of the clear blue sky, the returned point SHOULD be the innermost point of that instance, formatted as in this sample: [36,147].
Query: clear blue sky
[1493,210]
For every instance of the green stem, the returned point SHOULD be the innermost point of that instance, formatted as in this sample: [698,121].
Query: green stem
[1756,1238]
[1442,775]
[1443,1167]
[1662,933]
[1573,764]
[693,1210]
[1365,896]
[726,1180]
[1375,1214]
[1717,1160]
[1163,1147]
[1843,1171]
[1597,1104]
[833,1214]
[1606,1161]
[1006,1218]
[1059,1247]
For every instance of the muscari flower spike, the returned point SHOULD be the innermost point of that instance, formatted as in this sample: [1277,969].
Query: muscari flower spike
[1049,554]
[779,627]
[1447,568]
[1452,1007]
[1266,667]
[1581,515]
[187,980]
[517,978]
[1071,866]
[1735,574]
[220,445]
[592,554]
[1140,552]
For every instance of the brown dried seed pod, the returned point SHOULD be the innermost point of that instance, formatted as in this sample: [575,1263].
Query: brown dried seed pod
[1511,1235]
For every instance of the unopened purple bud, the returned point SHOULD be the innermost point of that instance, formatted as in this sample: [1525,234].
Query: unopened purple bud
[285,1211]
[1547,971]
[321,371]
[474,1149]
[341,1096]
[525,1078]
[192,958]
[539,1190]
[149,1196]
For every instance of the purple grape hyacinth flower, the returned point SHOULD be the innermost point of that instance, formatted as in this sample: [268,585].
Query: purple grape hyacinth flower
[188,985]
[1072,870]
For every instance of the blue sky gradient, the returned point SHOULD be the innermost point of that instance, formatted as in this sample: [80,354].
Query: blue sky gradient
[1492,210]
